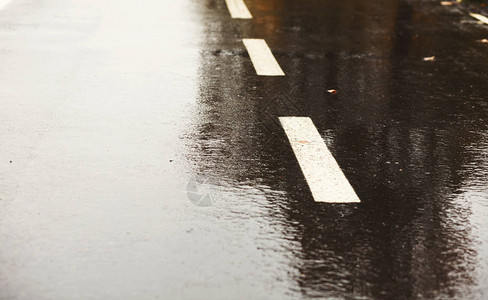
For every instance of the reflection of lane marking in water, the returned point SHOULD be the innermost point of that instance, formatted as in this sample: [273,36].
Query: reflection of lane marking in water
[324,176]
[479,18]
[4,3]
[262,58]
[238,9]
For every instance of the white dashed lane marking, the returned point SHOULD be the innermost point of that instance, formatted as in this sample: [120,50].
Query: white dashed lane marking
[325,178]
[262,58]
[480,18]
[238,9]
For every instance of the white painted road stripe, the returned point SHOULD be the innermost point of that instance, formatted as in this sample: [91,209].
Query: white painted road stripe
[324,176]
[238,9]
[262,58]
[480,17]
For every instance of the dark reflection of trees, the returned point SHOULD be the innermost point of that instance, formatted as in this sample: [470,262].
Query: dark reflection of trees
[399,128]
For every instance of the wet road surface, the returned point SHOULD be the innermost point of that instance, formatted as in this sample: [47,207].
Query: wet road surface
[142,157]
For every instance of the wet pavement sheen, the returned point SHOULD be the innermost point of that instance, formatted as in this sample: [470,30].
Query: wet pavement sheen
[113,113]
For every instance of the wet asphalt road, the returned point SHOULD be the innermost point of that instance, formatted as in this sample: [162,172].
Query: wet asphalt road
[112,112]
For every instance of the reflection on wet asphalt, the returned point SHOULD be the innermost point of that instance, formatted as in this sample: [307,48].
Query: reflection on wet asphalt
[142,157]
